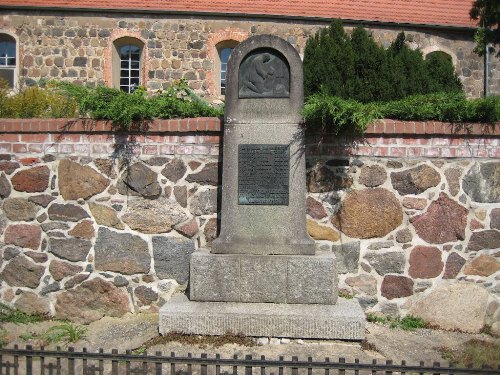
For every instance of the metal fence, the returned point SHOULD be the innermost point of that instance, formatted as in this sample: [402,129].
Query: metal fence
[29,361]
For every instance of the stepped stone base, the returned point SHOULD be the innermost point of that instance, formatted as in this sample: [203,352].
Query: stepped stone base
[344,321]
[302,279]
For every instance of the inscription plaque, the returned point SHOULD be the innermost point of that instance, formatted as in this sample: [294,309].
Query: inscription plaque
[263,174]
[264,74]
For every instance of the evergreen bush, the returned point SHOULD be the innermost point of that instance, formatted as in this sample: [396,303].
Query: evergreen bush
[355,67]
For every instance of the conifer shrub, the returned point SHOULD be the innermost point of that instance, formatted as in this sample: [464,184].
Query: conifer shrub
[355,67]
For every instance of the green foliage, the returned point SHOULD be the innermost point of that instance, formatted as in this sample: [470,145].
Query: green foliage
[408,323]
[372,318]
[3,337]
[66,332]
[487,13]
[345,295]
[442,75]
[9,314]
[339,115]
[473,353]
[37,102]
[179,101]
[27,336]
[329,48]
[356,68]
[452,107]
[124,109]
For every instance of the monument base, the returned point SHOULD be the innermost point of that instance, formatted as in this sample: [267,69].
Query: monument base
[343,321]
[294,279]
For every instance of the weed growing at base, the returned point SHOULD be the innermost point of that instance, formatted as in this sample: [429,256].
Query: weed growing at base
[474,353]
[66,332]
[408,323]
[10,314]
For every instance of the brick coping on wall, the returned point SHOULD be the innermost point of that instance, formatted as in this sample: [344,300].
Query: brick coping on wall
[203,136]
[214,124]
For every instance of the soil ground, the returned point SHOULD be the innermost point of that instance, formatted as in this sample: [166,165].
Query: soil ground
[131,332]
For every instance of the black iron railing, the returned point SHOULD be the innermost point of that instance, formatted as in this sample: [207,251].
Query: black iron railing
[29,361]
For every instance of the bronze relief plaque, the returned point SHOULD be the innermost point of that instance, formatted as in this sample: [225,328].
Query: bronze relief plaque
[264,73]
[263,174]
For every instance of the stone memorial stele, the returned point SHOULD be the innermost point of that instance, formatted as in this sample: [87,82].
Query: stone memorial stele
[262,276]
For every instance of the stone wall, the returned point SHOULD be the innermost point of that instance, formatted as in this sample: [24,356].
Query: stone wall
[99,223]
[77,46]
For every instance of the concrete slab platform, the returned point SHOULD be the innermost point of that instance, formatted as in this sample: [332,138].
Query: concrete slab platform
[343,321]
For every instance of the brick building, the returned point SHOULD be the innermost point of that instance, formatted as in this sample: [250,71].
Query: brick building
[152,43]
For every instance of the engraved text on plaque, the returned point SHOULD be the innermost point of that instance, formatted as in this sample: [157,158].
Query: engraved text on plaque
[263,174]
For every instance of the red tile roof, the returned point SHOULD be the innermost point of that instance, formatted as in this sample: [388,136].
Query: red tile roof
[423,12]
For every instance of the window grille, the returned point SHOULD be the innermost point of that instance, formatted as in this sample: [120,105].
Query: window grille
[224,57]
[7,59]
[130,71]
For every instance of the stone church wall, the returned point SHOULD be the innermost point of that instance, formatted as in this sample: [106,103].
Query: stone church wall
[77,46]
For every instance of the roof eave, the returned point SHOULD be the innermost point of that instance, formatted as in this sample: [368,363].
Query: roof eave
[219,14]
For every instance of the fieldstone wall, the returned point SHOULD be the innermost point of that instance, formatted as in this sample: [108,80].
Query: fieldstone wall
[87,232]
[83,238]
[77,46]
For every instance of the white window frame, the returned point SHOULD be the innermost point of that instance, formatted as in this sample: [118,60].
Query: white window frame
[6,61]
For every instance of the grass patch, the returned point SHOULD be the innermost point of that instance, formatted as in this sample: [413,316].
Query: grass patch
[345,295]
[373,318]
[408,323]
[474,353]
[200,341]
[27,336]
[65,332]
[3,337]
[9,314]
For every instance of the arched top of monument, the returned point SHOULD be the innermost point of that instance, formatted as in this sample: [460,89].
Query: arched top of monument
[264,82]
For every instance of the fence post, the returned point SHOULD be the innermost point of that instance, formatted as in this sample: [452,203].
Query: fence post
[101,362]
[280,369]
[127,362]
[263,367]
[16,362]
[436,364]
[356,361]
[217,366]
[374,362]
[309,369]
[295,370]
[172,363]
[341,370]
[388,363]
[84,361]
[327,370]
[422,364]
[203,370]
[235,368]
[403,363]
[114,363]
[71,362]
[29,361]
[248,369]
[145,363]
[158,366]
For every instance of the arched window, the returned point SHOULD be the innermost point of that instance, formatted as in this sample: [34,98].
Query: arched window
[224,49]
[127,64]
[8,61]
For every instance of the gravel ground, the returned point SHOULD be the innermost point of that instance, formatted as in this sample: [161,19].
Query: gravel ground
[132,331]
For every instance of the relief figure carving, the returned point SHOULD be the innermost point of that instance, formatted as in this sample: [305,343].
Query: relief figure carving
[264,74]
